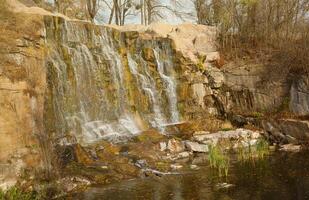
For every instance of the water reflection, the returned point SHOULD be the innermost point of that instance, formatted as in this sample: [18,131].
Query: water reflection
[282,176]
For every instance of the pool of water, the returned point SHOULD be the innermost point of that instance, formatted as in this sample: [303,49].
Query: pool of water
[282,176]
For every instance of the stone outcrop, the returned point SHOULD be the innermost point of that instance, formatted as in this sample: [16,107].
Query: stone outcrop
[287,130]
[299,95]
[66,82]
[232,139]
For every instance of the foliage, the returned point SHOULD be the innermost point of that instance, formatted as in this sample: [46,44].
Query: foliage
[252,28]
[15,193]
[219,161]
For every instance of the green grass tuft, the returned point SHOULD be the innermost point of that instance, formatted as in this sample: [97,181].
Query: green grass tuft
[259,151]
[219,161]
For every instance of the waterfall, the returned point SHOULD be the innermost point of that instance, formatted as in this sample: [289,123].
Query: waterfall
[147,85]
[170,86]
[96,89]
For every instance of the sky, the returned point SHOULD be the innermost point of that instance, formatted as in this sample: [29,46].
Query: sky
[169,17]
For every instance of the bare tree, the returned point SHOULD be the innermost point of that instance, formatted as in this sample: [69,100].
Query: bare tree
[92,8]
[258,25]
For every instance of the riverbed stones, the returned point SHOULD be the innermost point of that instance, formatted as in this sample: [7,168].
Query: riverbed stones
[176,166]
[290,148]
[172,145]
[196,147]
[194,167]
[229,139]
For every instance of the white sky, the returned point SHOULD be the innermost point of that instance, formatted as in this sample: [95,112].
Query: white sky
[169,17]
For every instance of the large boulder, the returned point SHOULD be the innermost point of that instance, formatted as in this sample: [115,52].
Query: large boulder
[287,130]
[196,147]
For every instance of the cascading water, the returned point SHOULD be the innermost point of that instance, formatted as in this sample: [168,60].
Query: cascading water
[170,85]
[99,92]
[148,86]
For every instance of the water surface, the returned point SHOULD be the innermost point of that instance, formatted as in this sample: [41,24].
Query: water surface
[282,176]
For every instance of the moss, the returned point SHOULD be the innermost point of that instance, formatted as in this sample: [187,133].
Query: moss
[163,166]
[227,129]
[94,173]
[257,115]
[150,135]
[200,65]
[148,54]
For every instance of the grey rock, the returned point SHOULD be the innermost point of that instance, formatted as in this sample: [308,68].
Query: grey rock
[196,147]
[299,96]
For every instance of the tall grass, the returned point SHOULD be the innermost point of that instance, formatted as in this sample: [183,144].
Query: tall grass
[15,193]
[219,161]
[252,153]
[262,148]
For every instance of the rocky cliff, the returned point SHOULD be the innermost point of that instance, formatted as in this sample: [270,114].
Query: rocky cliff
[65,82]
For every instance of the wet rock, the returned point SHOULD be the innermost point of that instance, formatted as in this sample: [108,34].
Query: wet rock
[150,135]
[141,164]
[163,146]
[70,184]
[224,186]
[290,147]
[178,156]
[175,146]
[176,166]
[184,154]
[194,167]
[196,147]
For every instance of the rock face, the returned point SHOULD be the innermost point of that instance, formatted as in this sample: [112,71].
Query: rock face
[287,130]
[299,95]
[22,88]
[64,82]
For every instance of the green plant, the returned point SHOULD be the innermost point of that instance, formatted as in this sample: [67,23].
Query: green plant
[15,193]
[257,115]
[226,129]
[262,148]
[252,152]
[219,161]
[1,195]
